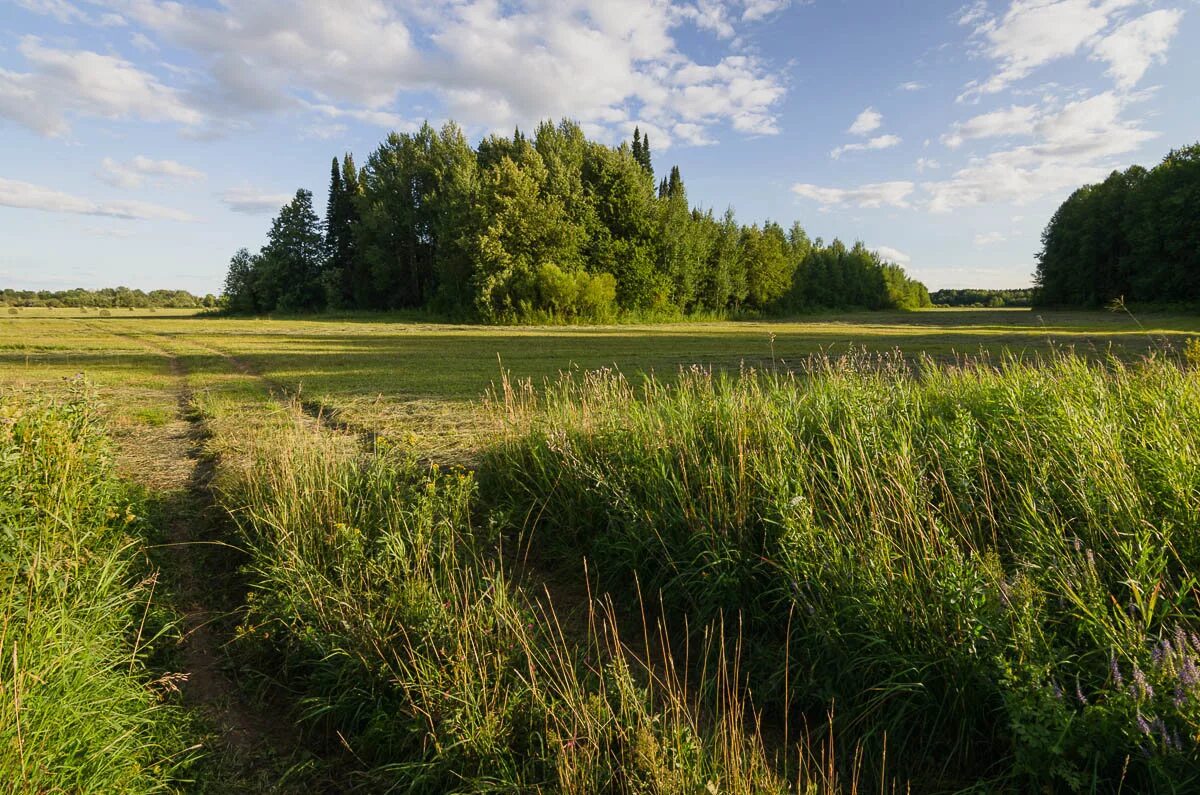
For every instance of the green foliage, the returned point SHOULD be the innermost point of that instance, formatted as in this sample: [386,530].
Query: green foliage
[106,298]
[983,298]
[1135,236]
[987,570]
[77,712]
[857,277]
[431,223]
[387,607]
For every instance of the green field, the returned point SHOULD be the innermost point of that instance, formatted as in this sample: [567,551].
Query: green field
[939,551]
[421,379]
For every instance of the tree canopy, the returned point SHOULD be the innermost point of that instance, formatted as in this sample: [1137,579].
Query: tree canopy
[1135,236]
[542,227]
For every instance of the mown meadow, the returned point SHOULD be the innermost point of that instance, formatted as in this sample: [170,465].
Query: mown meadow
[933,552]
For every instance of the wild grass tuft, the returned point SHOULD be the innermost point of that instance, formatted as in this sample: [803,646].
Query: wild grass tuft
[983,572]
[382,598]
[77,712]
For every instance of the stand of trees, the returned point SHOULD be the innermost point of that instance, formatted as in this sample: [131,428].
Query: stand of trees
[546,227]
[1134,236]
[984,298]
[106,298]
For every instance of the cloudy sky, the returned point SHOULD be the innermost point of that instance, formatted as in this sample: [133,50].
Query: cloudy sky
[145,140]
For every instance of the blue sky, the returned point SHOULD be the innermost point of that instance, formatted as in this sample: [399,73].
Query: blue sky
[144,141]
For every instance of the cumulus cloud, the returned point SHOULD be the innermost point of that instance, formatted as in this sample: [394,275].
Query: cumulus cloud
[880,194]
[252,201]
[878,142]
[866,122]
[1073,146]
[133,174]
[1133,47]
[489,64]
[893,255]
[759,9]
[26,195]
[1033,33]
[1015,120]
[64,83]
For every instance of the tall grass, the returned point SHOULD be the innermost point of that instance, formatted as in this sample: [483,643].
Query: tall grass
[77,713]
[985,573]
[382,596]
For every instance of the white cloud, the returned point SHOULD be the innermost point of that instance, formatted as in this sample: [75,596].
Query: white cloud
[894,194]
[65,83]
[1074,146]
[28,196]
[1014,120]
[927,164]
[893,255]
[878,142]
[866,123]
[489,64]
[251,201]
[1032,33]
[133,174]
[912,85]
[758,9]
[61,10]
[1133,47]
[990,238]
[710,15]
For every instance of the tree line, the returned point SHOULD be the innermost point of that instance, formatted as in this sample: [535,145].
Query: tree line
[1135,236]
[972,297]
[106,298]
[542,227]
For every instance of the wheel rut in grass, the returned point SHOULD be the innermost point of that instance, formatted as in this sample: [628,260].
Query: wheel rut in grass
[201,570]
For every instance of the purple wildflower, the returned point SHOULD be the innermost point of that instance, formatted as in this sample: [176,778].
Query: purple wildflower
[1188,675]
[1143,726]
[1180,697]
[1143,686]
[1079,694]
[1115,670]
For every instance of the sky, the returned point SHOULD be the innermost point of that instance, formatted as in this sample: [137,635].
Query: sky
[142,142]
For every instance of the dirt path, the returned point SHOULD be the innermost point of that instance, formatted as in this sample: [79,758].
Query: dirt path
[246,748]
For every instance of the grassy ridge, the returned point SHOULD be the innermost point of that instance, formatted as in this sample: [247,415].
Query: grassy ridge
[77,713]
[987,571]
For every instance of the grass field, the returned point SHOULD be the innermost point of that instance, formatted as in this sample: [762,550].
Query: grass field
[942,551]
[412,379]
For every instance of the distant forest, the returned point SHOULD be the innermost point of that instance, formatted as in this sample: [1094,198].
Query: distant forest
[106,298]
[547,227]
[1134,236]
[984,298]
